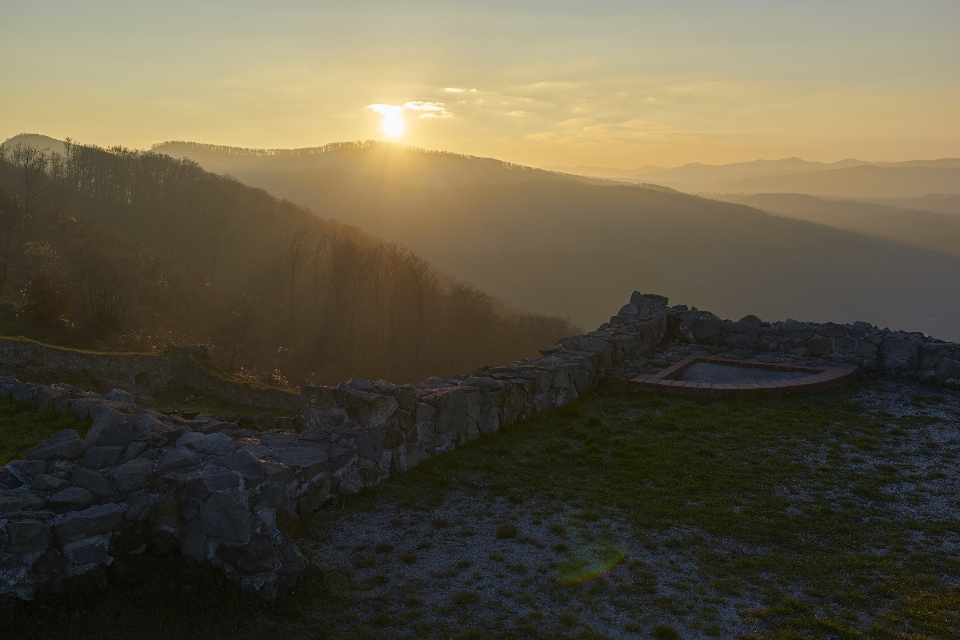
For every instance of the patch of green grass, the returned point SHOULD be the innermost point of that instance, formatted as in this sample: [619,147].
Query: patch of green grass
[665,632]
[464,597]
[507,530]
[23,426]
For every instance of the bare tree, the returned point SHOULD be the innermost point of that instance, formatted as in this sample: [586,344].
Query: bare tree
[32,164]
[298,254]
[100,291]
[11,232]
[218,232]
[236,335]
[58,177]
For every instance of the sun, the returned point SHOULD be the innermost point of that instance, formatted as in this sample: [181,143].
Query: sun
[392,124]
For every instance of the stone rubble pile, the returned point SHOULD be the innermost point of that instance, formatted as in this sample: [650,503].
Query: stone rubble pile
[141,485]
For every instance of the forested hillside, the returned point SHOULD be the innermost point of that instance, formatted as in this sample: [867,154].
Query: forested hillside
[384,160]
[576,249]
[123,249]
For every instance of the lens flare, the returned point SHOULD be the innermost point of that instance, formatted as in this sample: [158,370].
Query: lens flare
[590,564]
[392,124]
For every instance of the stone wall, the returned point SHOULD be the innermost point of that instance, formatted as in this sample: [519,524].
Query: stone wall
[141,485]
[138,373]
[860,344]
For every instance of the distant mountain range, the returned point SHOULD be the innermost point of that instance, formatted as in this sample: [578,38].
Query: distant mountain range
[557,244]
[850,178]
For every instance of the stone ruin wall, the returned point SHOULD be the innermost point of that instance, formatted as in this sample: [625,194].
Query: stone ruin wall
[142,485]
[860,344]
[138,373]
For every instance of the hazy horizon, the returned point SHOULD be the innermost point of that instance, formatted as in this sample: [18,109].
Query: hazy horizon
[610,84]
[584,170]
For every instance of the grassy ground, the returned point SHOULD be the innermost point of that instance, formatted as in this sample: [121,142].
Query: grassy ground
[823,516]
[22,426]
[184,398]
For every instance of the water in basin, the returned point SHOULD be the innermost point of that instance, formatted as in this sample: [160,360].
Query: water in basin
[725,374]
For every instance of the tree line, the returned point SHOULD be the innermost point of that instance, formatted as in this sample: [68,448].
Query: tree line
[124,249]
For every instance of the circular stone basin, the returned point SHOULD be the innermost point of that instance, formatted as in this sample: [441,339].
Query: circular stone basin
[707,375]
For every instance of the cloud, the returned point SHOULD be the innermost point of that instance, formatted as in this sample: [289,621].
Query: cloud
[425,109]
[454,90]
[385,109]
[428,109]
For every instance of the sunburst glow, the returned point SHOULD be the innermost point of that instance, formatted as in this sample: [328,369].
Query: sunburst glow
[392,124]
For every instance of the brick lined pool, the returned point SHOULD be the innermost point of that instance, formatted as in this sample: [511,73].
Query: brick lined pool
[708,375]
[727,374]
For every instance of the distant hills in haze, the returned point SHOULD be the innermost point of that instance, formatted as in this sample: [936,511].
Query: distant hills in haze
[37,141]
[939,202]
[846,178]
[548,242]
[925,229]
[556,244]
[385,160]
[866,181]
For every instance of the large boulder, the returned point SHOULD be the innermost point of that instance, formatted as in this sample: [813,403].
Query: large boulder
[900,354]
[738,341]
[147,427]
[313,460]
[451,408]
[224,518]
[134,475]
[65,445]
[797,330]
[947,368]
[705,328]
[26,536]
[371,410]
[257,556]
[97,458]
[178,458]
[104,419]
[201,487]
[94,482]
[119,395]
[89,522]
[19,500]
[252,468]
[819,346]
[71,497]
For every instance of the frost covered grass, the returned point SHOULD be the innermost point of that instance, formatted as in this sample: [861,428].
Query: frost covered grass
[635,516]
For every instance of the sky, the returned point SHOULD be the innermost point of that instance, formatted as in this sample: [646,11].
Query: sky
[558,83]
